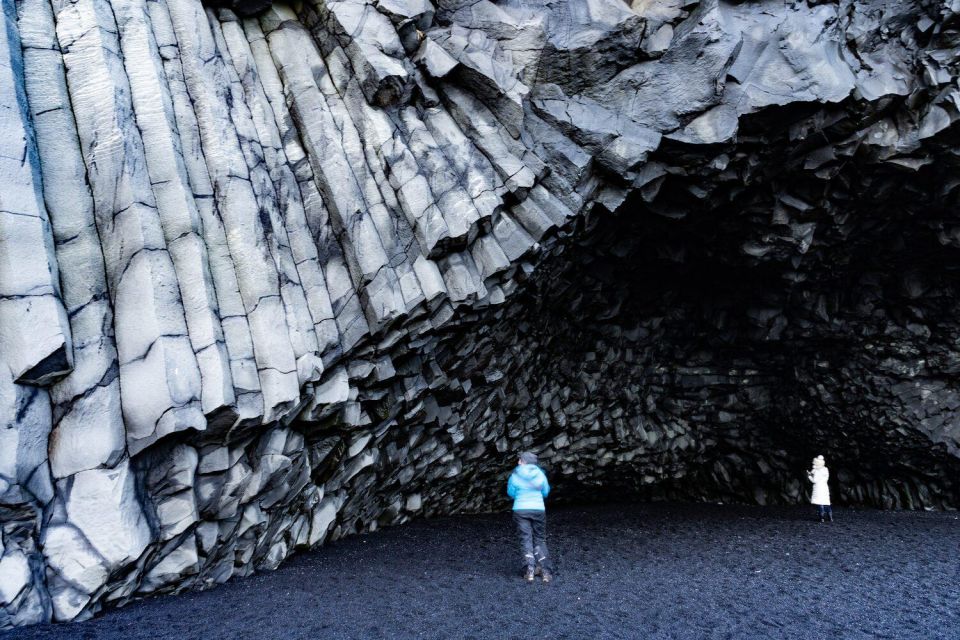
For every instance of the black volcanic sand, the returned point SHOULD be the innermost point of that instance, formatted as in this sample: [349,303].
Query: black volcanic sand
[623,571]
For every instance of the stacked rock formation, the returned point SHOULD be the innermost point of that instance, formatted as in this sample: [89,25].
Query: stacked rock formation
[272,275]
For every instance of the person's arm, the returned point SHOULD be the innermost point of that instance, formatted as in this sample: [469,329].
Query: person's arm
[545,489]
[511,487]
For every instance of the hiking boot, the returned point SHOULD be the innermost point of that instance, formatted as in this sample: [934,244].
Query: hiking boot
[546,576]
[528,575]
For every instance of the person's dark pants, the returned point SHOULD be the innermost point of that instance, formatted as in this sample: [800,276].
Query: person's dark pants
[532,528]
[825,511]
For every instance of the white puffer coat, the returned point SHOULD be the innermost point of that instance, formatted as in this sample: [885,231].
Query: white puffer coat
[821,492]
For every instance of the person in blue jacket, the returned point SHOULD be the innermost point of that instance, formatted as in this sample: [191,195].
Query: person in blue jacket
[528,486]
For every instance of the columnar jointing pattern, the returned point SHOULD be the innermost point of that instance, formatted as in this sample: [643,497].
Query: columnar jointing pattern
[268,279]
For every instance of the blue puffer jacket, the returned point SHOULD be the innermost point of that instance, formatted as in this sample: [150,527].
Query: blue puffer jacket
[528,487]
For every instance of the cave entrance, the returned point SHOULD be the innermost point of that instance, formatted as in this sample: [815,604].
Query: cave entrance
[706,345]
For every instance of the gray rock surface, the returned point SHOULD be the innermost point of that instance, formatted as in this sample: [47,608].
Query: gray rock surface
[276,273]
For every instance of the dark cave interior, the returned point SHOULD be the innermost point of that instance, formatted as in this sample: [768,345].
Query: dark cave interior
[718,331]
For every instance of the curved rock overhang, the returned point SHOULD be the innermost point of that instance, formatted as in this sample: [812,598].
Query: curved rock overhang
[274,278]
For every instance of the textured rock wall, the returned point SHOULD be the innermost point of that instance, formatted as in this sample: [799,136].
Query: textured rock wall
[272,277]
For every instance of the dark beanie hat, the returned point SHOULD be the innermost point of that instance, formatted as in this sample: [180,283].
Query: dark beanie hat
[528,457]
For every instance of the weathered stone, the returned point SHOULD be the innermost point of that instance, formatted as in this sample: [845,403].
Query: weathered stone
[33,323]
[209,86]
[152,350]
[269,281]
[74,570]
[102,505]
[233,320]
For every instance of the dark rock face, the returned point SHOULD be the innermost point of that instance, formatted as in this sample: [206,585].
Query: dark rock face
[242,8]
[267,281]
[702,374]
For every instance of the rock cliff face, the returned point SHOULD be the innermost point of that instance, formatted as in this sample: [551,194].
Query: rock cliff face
[274,274]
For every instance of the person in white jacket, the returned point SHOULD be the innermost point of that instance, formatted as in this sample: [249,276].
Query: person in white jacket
[819,475]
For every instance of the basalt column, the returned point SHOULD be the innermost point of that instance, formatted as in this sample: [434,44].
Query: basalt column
[276,273]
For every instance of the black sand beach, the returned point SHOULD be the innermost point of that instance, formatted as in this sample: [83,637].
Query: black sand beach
[623,571]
